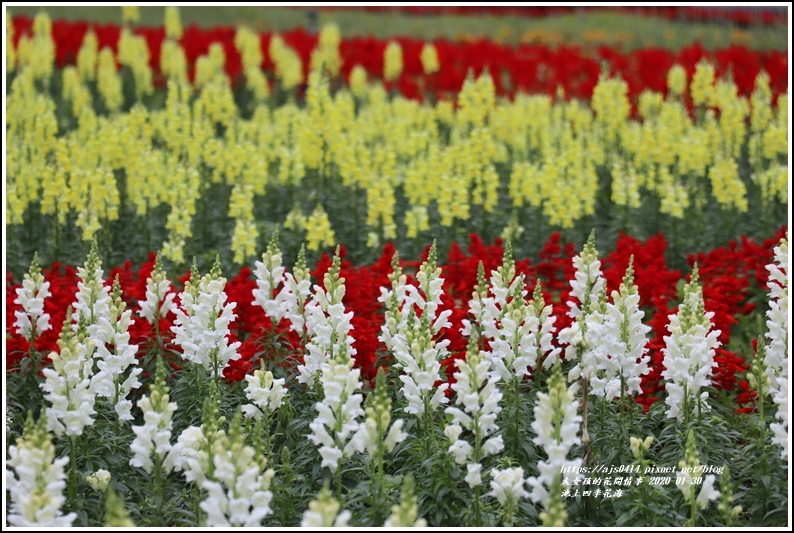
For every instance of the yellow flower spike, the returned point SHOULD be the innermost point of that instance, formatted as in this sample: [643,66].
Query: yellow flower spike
[726,185]
[130,14]
[392,61]
[108,80]
[289,68]
[318,230]
[39,52]
[247,42]
[676,80]
[611,105]
[625,185]
[650,104]
[11,55]
[256,82]
[326,56]
[702,87]
[173,63]
[87,56]
[675,198]
[172,23]
[429,58]
[416,221]
[445,112]
[295,220]
[244,240]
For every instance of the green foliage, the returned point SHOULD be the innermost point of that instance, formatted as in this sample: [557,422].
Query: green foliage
[722,437]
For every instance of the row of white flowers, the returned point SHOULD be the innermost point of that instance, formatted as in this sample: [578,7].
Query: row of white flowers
[607,343]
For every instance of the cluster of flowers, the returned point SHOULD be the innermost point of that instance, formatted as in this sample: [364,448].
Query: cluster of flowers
[728,276]
[740,17]
[524,68]
[605,339]
[538,153]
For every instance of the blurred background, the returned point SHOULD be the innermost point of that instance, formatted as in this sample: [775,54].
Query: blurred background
[625,28]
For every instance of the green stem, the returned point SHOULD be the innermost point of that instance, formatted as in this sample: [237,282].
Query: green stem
[267,434]
[431,436]
[157,324]
[339,484]
[378,492]
[700,419]
[585,433]
[197,506]
[158,484]
[622,406]
[477,519]
[32,350]
[686,406]
[516,427]
[762,433]
[73,469]
[477,459]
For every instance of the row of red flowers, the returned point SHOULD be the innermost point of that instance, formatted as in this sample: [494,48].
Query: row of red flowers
[730,276]
[735,15]
[524,68]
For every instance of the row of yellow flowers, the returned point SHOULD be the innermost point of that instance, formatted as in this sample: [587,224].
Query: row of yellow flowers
[440,157]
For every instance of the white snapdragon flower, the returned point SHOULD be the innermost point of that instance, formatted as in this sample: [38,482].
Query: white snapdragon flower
[269,276]
[621,352]
[541,326]
[524,337]
[239,494]
[519,332]
[192,453]
[35,480]
[640,447]
[339,411]
[689,353]
[689,478]
[325,512]
[508,484]
[420,358]
[557,426]
[707,492]
[331,350]
[265,393]
[503,283]
[159,296]
[202,322]
[414,347]
[427,297]
[99,480]
[512,346]
[32,320]
[153,438]
[295,293]
[479,396]
[327,325]
[110,382]
[476,304]
[189,455]
[93,298]
[393,300]
[777,356]
[588,288]
[377,436]
[68,385]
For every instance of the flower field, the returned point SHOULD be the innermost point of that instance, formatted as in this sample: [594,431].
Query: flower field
[259,279]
